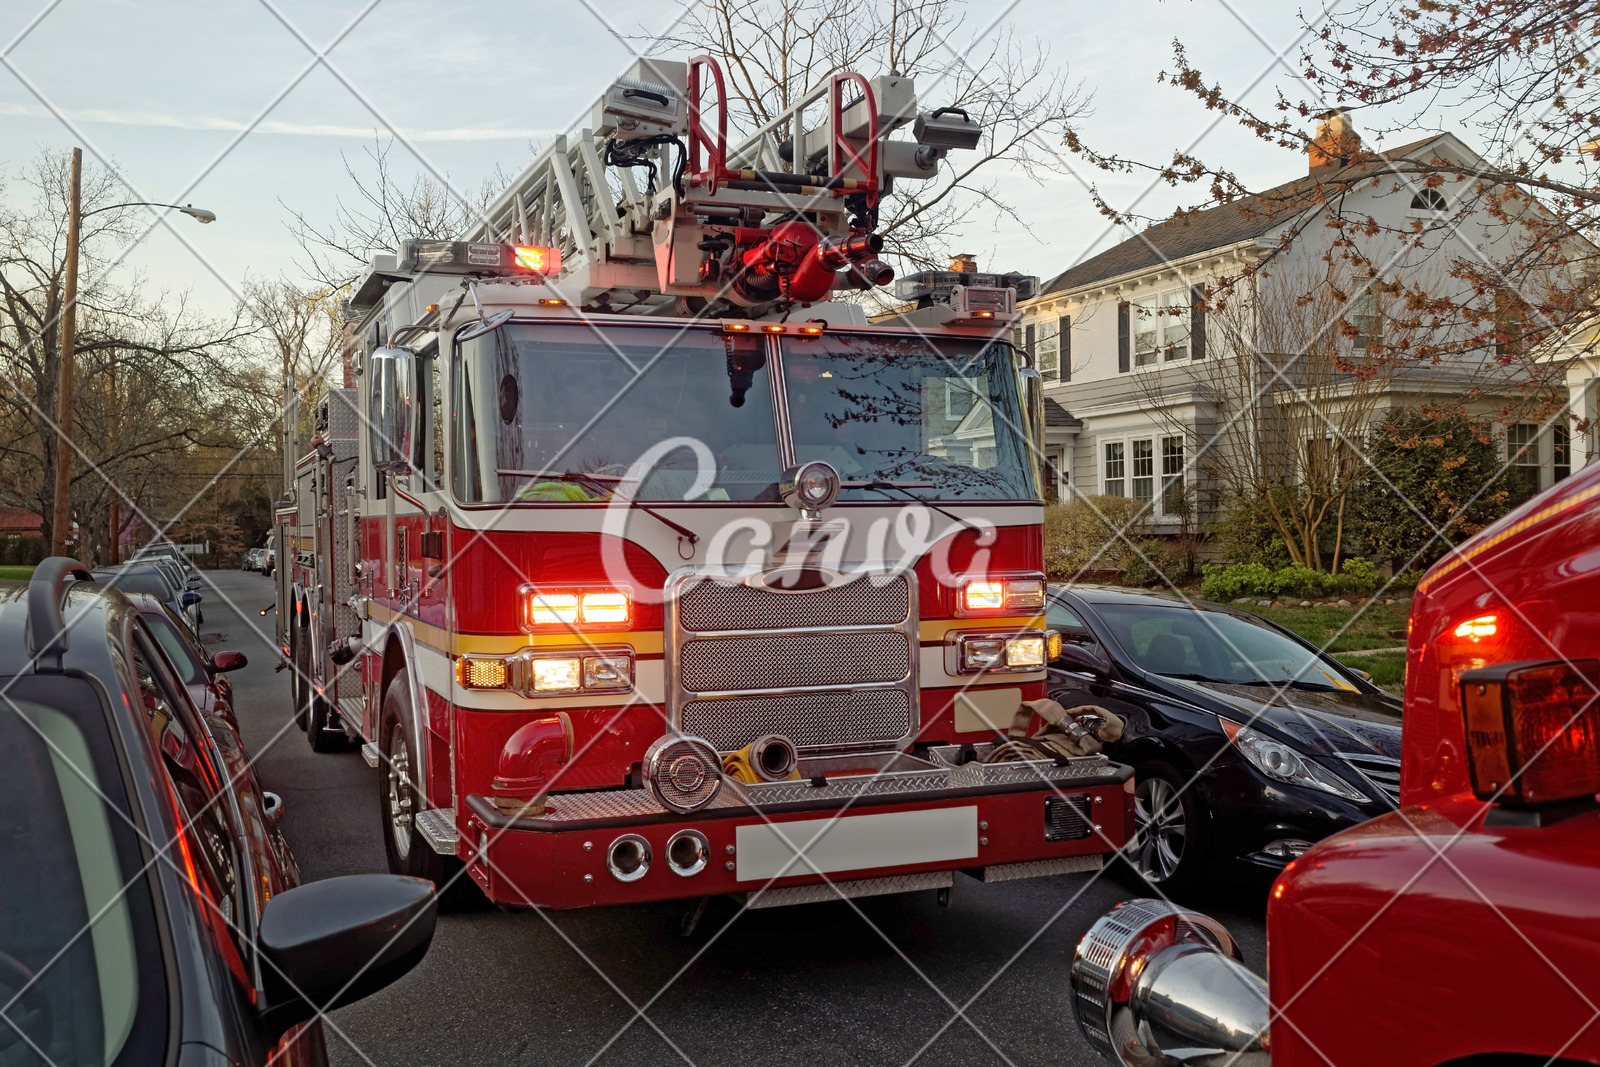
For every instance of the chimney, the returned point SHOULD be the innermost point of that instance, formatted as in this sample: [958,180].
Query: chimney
[964,263]
[1335,143]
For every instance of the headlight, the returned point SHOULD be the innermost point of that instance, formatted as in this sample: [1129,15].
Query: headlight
[555,675]
[1278,761]
[1000,652]
[982,595]
[574,607]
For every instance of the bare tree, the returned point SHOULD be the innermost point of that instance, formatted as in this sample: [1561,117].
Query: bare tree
[145,362]
[776,50]
[1277,412]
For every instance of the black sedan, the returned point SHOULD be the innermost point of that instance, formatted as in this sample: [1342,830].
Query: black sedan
[1248,744]
[149,911]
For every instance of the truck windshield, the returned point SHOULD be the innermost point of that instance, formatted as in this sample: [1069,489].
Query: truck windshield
[934,418]
[561,412]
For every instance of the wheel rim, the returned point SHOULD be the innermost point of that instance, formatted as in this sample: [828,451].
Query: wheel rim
[400,795]
[1160,832]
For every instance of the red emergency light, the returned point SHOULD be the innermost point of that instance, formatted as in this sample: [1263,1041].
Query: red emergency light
[537,258]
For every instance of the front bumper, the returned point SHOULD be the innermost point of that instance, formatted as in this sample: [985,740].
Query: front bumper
[1250,811]
[864,833]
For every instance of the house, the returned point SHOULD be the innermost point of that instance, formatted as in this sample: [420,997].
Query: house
[1177,348]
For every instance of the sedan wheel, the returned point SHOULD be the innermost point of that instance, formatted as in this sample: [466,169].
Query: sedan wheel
[1165,849]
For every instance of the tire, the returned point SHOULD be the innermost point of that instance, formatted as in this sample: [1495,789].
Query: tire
[1168,848]
[398,798]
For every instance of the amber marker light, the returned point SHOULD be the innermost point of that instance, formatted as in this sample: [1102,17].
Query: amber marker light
[552,302]
[811,330]
[772,327]
[736,327]
[1476,630]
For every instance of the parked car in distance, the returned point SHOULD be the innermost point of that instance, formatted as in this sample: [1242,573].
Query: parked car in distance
[269,557]
[205,674]
[256,559]
[1248,744]
[157,582]
[145,826]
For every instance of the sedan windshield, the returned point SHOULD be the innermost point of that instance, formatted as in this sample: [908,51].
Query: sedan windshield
[1215,646]
[938,419]
[561,412]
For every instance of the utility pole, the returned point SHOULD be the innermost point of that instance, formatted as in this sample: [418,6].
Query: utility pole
[61,522]
[116,499]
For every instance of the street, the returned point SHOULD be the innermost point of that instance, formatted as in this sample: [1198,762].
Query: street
[900,980]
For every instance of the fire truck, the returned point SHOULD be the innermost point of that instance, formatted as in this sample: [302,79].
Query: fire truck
[1459,929]
[641,567]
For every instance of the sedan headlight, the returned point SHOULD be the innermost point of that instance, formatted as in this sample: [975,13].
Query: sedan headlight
[1278,761]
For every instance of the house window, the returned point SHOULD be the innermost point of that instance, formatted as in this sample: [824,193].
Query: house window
[1364,319]
[1560,451]
[1115,472]
[1161,329]
[1052,475]
[1144,470]
[1047,353]
[1430,200]
[1172,498]
[959,396]
[1522,442]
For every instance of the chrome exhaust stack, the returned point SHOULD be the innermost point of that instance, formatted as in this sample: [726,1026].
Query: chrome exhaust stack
[1154,985]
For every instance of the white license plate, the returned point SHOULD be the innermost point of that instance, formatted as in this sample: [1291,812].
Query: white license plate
[855,842]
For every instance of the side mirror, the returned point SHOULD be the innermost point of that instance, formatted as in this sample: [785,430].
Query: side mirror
[390,374]
[1365,676]
[223,662]
[189,600]
[1033,400]
[1083,659]
[330,943]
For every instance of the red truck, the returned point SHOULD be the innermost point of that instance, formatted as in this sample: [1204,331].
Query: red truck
[1463,928]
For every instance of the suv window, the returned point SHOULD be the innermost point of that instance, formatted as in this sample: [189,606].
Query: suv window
[208,844]
[80,969]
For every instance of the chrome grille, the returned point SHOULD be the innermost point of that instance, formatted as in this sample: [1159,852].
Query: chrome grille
[707,605]
[1381,771]
[744,663]
[881,716]
[831,669]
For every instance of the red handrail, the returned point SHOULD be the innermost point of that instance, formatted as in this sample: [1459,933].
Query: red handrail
[716,154]
[840,150]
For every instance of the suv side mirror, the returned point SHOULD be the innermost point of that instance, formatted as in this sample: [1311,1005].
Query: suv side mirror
[223,662]
[189,600]
[330,943]
[1083,659]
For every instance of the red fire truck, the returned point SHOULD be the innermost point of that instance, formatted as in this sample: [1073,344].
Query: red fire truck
[640,568]
[1463,928]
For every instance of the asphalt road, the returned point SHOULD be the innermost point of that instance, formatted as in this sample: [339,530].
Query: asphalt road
[897,981]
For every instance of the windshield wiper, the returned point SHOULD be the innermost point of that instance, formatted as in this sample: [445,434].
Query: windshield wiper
[596,483]
[1292,683]
[902,487]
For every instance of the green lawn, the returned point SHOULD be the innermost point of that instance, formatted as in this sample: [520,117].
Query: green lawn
[16,573]
[1378,626]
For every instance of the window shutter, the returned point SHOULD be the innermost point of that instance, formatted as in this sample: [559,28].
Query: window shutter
[1197,322]
[1027,339]
[1064,333]
[1122,337]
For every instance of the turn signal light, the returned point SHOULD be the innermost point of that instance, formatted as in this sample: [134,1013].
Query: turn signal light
[475,673]
[736,327]
[577,607]
[1002,594]
[1533,731]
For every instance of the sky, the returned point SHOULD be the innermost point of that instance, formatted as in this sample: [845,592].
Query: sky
[223,104]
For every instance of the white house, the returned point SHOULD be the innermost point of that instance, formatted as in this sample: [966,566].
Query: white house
[1122,337]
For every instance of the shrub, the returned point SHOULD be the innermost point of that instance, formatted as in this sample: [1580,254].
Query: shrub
[1359,576]
[1156,563]
[1296,580]
[1082,536]
[1242,579]
[1241,536]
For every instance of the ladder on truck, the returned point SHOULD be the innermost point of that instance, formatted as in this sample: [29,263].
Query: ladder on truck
[650,204]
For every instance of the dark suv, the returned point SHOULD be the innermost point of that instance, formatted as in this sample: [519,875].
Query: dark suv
[149,911]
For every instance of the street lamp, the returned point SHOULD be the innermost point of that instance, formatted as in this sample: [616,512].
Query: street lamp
[62,516]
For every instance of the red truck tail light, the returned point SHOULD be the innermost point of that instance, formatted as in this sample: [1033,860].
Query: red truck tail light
[574,607]
[1533,731]
[992,596]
